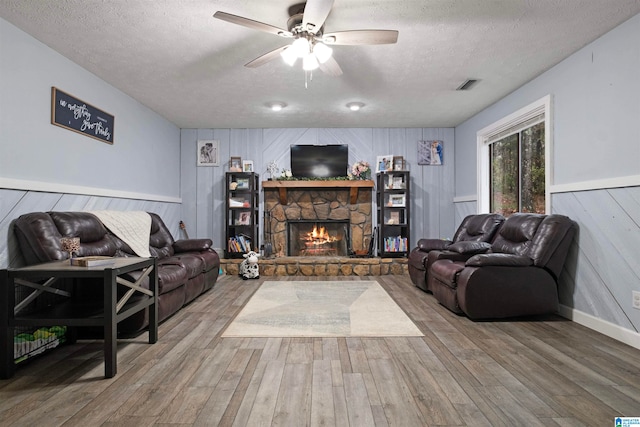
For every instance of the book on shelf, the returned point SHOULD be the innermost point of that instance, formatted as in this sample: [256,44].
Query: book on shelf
[239,243]
[395,244]
[92,261]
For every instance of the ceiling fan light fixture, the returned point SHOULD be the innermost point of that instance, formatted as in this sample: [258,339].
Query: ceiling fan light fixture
[289,56]
[310,62]
[355,106]
[301,47]
[322,52]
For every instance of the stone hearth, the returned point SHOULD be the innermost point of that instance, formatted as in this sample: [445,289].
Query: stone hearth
[322,266]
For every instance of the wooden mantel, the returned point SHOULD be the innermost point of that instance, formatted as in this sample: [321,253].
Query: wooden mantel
[352,185]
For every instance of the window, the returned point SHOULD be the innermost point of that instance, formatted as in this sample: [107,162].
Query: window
[513,156]
[517,172]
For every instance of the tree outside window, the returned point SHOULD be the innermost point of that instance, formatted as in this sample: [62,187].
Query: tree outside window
[517,172]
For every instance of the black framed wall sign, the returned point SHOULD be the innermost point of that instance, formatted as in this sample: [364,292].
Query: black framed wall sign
[78,116]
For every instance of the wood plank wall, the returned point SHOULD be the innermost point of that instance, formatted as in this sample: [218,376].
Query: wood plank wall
[432,186]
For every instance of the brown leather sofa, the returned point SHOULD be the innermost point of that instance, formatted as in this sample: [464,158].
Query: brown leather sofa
[517,276]
[476,230]
[186,268]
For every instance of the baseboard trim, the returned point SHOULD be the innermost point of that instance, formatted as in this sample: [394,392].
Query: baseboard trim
[606,328]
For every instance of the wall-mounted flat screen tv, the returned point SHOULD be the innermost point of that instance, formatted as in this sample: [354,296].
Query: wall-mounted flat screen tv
[319,161]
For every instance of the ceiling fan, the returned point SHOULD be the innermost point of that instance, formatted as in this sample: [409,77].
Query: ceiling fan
[311,43]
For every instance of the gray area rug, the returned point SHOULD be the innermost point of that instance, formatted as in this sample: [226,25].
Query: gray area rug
[321,309]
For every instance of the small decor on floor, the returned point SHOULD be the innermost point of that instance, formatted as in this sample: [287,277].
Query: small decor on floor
[249,268]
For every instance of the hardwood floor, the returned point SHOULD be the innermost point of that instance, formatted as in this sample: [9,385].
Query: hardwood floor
[542,372]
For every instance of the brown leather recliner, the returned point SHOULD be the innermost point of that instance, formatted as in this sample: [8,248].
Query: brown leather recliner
[517,277]
[473,228]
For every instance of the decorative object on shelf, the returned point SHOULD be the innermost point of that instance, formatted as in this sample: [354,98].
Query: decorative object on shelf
[208,153]
[235,164]
[361,170]
[70,245]
[286,174]
[430,152]
[394,182]
[272,168]
[249,268]
[244,218]
[384,163]
[247,166]
[399,163]
[242,184]
[397,200]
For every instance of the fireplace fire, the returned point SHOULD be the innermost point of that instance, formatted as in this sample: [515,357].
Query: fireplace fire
[318,238]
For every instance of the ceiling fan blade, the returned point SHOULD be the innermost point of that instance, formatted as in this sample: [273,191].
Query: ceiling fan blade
[359,37]
[315,13]
[269,56]
[331,67]
[250,23]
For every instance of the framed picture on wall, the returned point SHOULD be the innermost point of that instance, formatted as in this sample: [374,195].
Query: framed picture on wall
[430,152]
[207,153]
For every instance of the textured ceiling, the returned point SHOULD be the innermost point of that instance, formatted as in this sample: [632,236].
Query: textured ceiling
[175,58]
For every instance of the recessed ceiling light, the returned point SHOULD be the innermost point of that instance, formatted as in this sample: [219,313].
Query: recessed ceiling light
[276,106]
[355,106]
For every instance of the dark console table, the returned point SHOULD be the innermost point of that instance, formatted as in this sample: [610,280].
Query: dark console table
[113,310]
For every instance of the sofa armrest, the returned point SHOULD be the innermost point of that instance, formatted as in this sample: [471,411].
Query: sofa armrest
[504,260]
[427,245]
[192,245]
[469,248]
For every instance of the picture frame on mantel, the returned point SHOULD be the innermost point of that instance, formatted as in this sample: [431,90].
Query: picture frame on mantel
[208,153]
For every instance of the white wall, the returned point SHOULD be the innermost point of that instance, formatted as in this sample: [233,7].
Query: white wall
[145,156]
[596,173]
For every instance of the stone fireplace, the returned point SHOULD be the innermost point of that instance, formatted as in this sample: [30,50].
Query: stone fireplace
[332,204]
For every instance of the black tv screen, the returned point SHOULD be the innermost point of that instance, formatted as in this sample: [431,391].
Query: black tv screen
[319,161]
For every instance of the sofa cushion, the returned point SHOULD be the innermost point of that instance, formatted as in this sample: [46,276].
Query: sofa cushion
[503,260]
[210,260]
[192,264]
[446,271]
[427,245]
[170,276]
[469,248]
[160,240]
[192,245]
[478,228]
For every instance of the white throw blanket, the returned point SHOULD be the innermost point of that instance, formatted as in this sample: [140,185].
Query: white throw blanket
[132,227]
